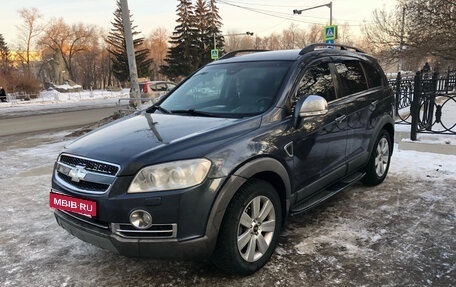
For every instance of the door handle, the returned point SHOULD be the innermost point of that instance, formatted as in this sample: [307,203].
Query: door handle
[373,105]
[341,118]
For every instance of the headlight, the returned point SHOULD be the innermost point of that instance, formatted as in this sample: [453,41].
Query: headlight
[173,175]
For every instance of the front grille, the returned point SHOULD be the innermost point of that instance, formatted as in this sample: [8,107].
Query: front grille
[90,165]
[85,175]
[157,231]
[85,185]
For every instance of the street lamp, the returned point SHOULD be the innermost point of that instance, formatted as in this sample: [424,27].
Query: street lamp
[240,34]
[329,5]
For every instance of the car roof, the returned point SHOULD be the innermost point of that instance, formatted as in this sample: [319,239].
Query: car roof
[316,50]
[278,55]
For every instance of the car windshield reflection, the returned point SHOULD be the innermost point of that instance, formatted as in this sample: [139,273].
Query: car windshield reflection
[229,90]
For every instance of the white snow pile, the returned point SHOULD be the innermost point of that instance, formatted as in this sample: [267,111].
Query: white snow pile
[53,97]
[51,100]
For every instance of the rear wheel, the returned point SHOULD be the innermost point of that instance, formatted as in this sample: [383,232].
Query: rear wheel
[250,229]
[379,162]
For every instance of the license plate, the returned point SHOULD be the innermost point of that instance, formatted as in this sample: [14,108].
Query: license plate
[73,204]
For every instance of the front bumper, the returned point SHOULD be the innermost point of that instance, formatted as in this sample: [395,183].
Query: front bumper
[200,247]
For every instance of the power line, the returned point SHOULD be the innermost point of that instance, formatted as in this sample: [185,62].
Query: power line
[261,3]
[266,12]
[280,15]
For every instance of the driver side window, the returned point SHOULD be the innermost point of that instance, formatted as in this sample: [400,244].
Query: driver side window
[317,80]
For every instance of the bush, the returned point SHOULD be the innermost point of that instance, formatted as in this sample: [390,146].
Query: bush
[16,82]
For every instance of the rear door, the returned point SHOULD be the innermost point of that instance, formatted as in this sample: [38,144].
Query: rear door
[360,98]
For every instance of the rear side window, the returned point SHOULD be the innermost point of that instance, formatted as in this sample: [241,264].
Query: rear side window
[352,77]
[159,87]
[374,77]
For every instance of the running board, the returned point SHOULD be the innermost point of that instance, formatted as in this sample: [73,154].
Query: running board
[321,196]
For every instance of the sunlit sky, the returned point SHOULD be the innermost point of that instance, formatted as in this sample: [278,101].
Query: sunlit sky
[262,17]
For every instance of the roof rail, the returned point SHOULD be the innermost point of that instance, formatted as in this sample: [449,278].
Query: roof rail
[312,47]
[235,53]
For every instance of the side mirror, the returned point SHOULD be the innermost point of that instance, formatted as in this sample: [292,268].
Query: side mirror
[309,106]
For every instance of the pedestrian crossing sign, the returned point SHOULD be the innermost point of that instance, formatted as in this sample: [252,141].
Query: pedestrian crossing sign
[214,54]
[330,33]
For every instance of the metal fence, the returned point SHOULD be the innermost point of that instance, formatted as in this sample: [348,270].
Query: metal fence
[20,96]
[427,102]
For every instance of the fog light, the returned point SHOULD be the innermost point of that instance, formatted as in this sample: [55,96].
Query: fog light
[141,219]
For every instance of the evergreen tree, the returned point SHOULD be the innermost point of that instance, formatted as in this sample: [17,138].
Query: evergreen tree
[215,22]
[203,32]
[193,37]
[182,57]
[4,54]
[118,49]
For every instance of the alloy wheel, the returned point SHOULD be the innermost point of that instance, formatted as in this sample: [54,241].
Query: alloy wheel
[382,157]
[256,228]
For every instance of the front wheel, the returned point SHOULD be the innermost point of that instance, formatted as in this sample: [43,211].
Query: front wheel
[379,162]
[250,229]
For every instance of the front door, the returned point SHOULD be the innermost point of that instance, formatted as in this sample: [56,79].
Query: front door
[319,144]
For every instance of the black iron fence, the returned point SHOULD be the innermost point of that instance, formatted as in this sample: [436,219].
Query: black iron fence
[427,102]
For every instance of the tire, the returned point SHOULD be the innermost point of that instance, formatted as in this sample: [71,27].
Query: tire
[379,162]
[250,229]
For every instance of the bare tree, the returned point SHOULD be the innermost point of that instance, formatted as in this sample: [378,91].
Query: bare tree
[238,41]
[105,76]
[414,31]
[290,37]
[429,25]
[67,41]
[385,33]
[28,31]
[86,65]
[315,34]
[157,43]
[344,35]
[232,41]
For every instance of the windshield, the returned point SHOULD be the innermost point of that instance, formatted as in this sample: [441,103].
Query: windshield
[229,90]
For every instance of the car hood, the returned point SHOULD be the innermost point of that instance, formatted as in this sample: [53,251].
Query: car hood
[146,139]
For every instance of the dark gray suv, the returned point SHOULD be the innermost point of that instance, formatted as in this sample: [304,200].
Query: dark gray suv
[213,169]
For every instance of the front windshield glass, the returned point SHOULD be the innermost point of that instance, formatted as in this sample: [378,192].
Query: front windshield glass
[229,90]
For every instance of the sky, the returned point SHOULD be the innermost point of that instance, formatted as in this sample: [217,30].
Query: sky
[262,17]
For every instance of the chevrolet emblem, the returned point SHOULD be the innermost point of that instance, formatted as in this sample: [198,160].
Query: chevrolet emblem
[77,173]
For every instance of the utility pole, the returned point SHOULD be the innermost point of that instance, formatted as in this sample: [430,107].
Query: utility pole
[329,5]
[134,90]
[401,44]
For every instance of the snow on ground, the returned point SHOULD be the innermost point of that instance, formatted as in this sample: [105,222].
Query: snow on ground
[48,101]
[400,233]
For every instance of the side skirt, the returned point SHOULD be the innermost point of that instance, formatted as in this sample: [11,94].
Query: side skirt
[320,196]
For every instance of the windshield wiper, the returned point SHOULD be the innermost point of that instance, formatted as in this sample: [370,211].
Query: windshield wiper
[193,113]
[158,107]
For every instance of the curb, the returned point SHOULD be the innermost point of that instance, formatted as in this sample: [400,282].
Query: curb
[426,143]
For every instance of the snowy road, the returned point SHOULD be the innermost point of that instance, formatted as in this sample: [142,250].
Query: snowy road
[52,121]
[401,233]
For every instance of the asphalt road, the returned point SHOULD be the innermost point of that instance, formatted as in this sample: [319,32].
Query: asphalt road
[58,119]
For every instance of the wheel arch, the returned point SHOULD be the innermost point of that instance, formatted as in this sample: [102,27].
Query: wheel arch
[386,123]
[265,168]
